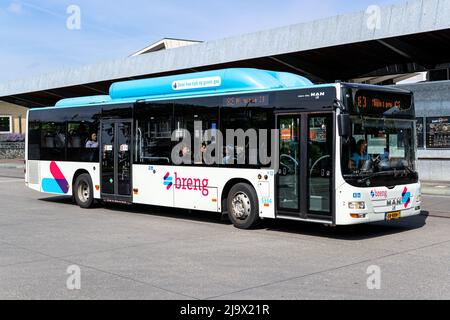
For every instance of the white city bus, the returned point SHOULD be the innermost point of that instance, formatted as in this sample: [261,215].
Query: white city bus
[344,153]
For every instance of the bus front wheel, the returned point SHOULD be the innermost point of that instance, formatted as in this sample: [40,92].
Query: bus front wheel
[242,205]
[83,191]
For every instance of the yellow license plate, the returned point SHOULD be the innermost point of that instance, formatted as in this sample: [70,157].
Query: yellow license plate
[393,215]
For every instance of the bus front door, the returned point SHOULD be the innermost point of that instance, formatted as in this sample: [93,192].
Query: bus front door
[305,174]
[116,144]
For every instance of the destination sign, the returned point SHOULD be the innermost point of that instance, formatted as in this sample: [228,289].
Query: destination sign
[247,101]
[379,102]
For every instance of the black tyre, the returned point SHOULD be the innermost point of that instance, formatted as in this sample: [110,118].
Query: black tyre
[243,206]
[83,191]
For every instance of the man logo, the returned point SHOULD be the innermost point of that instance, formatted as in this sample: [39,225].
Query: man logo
[395,202]
[168,181]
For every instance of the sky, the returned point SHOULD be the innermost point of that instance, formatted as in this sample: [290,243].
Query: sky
[46,35]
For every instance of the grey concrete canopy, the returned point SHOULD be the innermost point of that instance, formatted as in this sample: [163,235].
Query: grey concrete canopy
[340,47]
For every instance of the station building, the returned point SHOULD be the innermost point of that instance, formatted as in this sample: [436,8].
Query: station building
[405,45]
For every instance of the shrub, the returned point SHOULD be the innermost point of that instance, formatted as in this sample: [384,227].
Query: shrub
[12,137]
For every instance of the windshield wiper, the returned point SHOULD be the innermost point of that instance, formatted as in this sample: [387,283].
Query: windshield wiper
[396,173]
[376,174]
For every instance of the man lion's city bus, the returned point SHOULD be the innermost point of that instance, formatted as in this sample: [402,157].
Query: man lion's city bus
[343,153]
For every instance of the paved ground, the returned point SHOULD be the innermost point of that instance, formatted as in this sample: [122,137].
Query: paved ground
[147,253]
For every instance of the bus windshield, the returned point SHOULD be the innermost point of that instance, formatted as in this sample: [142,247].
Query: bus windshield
[379,152]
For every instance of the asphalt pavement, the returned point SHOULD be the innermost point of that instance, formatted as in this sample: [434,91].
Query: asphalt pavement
[139,252]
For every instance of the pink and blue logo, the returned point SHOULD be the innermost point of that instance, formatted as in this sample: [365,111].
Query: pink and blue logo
[168,181]
[406,197]
[58,184]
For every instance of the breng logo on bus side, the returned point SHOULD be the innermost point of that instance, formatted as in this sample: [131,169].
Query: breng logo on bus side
[168,181]
[189,184]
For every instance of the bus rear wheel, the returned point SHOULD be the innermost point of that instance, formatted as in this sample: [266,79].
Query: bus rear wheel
[243,208]
[83,191]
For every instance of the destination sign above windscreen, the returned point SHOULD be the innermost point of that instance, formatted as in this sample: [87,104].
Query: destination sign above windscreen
[379,102]
[247,101]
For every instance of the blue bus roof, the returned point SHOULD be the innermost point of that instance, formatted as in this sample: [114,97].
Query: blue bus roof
[224,81]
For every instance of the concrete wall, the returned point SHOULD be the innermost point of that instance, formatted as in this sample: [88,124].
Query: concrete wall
[17,112]
[432,100]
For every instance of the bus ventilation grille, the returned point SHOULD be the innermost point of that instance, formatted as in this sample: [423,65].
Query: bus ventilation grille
[33,172]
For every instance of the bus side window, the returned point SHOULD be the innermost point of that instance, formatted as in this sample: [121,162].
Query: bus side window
[154,135]
[82,141]
[200,124]
[53,141]
[34,140]
[251,121]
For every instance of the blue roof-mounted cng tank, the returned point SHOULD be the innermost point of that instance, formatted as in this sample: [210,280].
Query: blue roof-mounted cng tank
[199,83]
[72,102]
[218,81]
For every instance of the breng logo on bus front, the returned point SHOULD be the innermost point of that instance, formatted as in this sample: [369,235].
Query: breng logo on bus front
[379,194]
[189,184]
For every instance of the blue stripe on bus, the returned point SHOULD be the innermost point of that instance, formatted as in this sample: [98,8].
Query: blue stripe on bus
[51,186]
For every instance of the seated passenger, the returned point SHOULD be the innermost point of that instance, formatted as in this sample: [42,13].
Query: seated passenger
[229,155]
[385,155]
[92,143]
[360,156]
[202,155]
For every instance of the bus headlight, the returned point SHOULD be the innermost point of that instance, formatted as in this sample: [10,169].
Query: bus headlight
[357,205]
[419,199]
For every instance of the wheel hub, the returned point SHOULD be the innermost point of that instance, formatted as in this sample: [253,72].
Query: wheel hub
[83,192]
[241,206]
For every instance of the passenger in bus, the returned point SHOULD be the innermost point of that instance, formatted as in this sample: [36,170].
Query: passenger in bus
[92,142]
[185,154]
[360,156]
[60,140]
[385,155]
[202,156]
[229,155]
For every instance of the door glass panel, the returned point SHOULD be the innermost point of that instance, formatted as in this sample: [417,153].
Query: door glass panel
[289,170]
[124,159]
[320,150]
[108,148]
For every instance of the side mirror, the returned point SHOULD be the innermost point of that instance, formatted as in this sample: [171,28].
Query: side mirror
[344,125]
